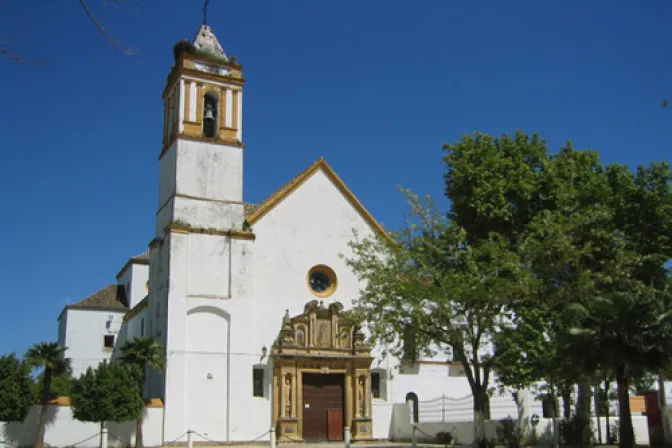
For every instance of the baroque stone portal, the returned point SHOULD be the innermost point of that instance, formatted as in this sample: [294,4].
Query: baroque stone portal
[321,340]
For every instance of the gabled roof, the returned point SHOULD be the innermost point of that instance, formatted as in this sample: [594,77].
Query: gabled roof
[111,297]
[142,258]
[256,212]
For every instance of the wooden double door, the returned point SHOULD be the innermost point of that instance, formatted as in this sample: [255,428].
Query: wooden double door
[323,399]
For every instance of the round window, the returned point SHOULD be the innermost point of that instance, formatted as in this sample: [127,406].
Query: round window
[322,281]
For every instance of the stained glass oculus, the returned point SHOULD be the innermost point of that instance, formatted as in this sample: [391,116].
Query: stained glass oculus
[319,281]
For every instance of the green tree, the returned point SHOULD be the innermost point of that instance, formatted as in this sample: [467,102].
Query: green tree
[61,386]
[512,186]
[49,356]
[627,332]
[108,393]
[15,389]
[452,296]
[145,354]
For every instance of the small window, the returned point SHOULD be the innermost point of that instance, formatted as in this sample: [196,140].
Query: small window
[258,382]
[375,385]
[142,327]
[108,341]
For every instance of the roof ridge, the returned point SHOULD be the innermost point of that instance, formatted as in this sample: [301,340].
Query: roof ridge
[278,195]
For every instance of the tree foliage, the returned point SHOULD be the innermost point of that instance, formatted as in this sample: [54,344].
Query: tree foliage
[49,356]
[452,296]
[108,393]
[529,237]
[15,389]
[142,354]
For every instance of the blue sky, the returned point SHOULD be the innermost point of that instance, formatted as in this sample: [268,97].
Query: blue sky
[374,86]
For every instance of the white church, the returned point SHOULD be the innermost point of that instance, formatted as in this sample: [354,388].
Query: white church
[247,298]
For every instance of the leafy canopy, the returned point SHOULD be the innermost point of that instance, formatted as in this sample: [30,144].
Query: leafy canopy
[108,393]
[15,389]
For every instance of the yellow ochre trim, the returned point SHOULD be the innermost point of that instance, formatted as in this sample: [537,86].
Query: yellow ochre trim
[331,275]
[154,403]
[235,234]
[295,183]
[60,401]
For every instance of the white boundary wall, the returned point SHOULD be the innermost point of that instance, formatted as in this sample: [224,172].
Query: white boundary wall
[462,430]
[63,430]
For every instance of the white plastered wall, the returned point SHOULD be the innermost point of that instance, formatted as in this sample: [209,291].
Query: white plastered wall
[84,336]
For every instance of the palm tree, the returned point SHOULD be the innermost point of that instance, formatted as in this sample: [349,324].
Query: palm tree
[626,335]
[143,353]
[50,356]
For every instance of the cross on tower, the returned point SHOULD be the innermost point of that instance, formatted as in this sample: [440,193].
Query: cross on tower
[205,12]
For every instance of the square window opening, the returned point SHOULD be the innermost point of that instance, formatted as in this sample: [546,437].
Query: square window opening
[375,385]
[257,382]
[108,341]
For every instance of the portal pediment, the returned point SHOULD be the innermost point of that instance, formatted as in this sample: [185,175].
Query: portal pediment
[320,331]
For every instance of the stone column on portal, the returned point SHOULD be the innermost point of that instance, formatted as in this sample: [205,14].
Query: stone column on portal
[293,411]
[367,396]
[348,397]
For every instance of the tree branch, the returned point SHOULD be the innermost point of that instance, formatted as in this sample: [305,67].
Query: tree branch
[107,35]
[16,58]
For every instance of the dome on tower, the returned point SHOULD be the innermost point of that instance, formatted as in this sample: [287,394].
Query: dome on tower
[207,42]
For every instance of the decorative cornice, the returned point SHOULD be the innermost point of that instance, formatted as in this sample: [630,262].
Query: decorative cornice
[217,141]
[295,183]
[235,234]
[184,66]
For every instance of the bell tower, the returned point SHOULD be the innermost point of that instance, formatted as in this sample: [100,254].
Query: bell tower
[201,256]
[201,162]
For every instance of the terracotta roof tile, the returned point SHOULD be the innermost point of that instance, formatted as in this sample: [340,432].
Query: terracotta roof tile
[250,209]
[141,257]
[110,297]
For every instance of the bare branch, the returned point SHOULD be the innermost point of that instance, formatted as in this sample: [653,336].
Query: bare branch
[107,35]
[18,59]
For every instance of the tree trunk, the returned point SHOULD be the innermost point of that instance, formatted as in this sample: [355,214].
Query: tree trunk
[566,402]
[554,417]
[480,415]
[583,400]
[626,434]
[44,407]
[138,432]
[596,404]
[583,414]
[606,395]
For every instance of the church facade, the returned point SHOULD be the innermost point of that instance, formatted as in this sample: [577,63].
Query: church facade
[248,299]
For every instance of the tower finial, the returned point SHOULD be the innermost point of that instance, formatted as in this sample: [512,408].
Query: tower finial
[205,12]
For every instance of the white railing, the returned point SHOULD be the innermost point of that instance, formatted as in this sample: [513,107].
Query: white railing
[449,409]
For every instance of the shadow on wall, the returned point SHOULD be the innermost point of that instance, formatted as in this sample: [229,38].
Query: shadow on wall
[25,433]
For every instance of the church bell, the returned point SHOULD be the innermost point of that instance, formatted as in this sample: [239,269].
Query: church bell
[209,114]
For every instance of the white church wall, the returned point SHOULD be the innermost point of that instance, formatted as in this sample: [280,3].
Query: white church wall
[208,371]
[311,226]
[63,430]
[167,169]
[209,266]
[138,325]
[134,280]
[84,337]
[62,327]
[208,170]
